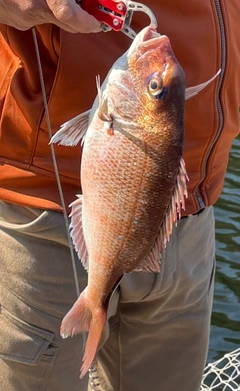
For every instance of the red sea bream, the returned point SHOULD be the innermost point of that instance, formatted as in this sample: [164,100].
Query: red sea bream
[132,174]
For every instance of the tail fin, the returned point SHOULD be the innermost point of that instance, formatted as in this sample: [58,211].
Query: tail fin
[82,317]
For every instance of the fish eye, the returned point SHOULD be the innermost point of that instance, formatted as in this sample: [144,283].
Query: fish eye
[155,86]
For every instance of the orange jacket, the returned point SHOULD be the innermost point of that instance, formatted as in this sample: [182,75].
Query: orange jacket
[204,36]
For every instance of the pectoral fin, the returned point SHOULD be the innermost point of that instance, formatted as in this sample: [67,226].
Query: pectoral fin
[72,131]
[103,113]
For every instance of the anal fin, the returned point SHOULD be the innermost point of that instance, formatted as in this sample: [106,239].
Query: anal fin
[76,230]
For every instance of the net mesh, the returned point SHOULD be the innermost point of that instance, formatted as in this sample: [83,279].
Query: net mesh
[223,374]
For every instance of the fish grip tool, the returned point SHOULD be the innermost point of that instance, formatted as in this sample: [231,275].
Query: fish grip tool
[116,14]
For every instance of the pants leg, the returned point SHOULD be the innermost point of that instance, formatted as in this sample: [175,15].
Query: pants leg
[156,338]
[159,336]
[36,290]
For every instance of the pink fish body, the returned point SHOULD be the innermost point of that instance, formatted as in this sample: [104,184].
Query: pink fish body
[132,175]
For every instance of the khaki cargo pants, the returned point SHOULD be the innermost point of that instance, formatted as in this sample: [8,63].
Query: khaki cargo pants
[157,335]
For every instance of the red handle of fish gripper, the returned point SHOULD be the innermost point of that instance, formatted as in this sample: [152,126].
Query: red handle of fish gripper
[110,12]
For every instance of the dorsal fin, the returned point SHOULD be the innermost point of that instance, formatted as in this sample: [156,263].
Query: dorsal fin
[153,260]
[72,131]
[76,230]
[192,91]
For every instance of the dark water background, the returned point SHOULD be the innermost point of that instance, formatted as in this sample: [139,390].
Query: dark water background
[225,329]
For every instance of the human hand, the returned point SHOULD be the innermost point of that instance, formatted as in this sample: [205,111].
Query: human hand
[67,14]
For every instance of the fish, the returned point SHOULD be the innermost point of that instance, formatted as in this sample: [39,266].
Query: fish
[133,176]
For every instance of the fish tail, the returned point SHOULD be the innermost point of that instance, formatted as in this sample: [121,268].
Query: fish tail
[94,335]
[82,317]
[77,319]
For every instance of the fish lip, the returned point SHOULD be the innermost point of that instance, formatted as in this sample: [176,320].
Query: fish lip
[151,38]
[146,40]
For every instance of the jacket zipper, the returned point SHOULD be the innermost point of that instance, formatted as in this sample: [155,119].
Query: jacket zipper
[219,106]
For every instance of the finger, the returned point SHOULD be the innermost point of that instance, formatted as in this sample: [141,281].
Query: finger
[66,27]
[71,14]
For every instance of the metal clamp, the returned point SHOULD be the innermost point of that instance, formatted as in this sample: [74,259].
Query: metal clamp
[116,14]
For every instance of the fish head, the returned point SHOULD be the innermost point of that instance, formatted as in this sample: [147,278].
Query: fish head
[147,86]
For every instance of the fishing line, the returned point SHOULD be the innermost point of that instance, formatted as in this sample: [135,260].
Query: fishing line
[93,372]
[44,95]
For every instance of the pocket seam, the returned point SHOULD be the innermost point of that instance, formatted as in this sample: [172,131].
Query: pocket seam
[44,339]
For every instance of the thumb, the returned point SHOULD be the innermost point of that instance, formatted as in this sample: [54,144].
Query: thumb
[71,14]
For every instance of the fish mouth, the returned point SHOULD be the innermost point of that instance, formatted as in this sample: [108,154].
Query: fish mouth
[151,38]
[148,38]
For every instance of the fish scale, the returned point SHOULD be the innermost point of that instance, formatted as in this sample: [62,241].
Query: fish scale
[133,176]
[120,195]
[117,183]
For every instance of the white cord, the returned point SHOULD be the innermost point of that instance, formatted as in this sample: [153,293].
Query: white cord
[54,160]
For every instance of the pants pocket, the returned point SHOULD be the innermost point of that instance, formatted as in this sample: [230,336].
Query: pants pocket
[26,354]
